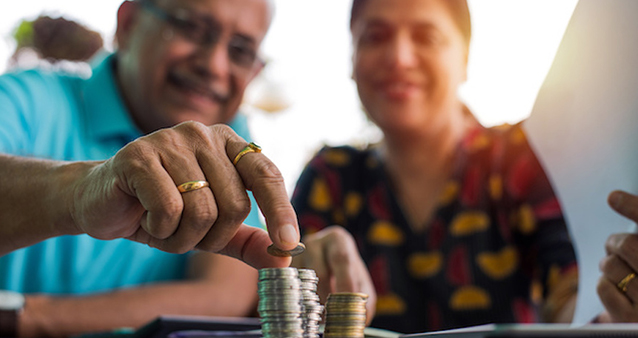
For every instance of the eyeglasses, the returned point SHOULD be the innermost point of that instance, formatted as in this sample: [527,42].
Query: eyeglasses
[204,31]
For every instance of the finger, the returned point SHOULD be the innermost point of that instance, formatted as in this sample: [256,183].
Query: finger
[263,178]
[146,179]
[175,149]
[619,307]
[624,203]
[624,246]
[233,204]
[313,258]
[250,244]
[267,185]
[340,256]
[615,270]
[198,215]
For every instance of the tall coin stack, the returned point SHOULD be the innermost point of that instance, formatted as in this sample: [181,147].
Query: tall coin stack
[312,307]
[345,315]
[280,303]
[283,300]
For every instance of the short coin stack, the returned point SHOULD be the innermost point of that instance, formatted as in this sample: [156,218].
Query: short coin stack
[345,315]
[312,307]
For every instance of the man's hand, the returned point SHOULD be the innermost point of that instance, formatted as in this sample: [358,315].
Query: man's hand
[134,195]
[333,254]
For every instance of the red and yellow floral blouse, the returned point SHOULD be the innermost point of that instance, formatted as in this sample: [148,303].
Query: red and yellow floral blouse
[496,251]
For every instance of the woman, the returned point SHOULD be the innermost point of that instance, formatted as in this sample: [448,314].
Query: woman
[456,223]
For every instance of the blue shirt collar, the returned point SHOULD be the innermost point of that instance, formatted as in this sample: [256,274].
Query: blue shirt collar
[107,115]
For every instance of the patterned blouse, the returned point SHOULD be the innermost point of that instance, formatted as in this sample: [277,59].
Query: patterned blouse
[497,249]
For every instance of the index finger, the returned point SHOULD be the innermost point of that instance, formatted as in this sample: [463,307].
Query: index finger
[624,203]
[341,254]
[262,177]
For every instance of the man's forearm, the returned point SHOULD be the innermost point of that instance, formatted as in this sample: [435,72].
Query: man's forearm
[34,201]
[46,316]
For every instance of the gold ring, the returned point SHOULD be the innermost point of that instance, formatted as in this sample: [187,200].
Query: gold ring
[622,285]
[250,148]
[192,185]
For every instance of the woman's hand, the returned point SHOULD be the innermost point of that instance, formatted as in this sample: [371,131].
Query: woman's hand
[617,288]
[333,254]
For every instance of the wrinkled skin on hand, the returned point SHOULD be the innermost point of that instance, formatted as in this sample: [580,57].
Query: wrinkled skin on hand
[134,195]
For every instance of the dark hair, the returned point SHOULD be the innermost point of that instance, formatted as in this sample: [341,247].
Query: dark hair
[458,9]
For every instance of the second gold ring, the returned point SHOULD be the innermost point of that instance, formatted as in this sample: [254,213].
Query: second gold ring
[622,285]
[250,148]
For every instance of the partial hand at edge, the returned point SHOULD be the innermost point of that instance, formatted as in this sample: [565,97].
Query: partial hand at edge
[621,260]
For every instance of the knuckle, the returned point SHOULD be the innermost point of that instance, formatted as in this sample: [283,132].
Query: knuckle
[133,155]
[162,136]
[338,231]
[222,129]
[340,254]
[171,208]
[187,134]
[204,215]
[238,211]
[266,174]
[191,126]
[342,236]
[169,213]
[219,134]
[607,263]
[625,244]
[268,171]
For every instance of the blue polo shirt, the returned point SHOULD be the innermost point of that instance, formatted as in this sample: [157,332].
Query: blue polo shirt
[66,117]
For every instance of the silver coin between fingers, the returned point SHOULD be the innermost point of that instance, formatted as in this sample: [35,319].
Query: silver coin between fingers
[275,251]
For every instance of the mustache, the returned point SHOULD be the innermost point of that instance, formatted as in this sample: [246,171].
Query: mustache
[198,86]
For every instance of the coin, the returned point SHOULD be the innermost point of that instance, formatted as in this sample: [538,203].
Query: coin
[345,315]
[288,305]
[275,251]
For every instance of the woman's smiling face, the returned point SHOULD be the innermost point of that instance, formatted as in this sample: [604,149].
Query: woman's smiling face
[409,60]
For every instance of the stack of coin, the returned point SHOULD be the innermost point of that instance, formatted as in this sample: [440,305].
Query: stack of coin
[280,303]
[345,315]
[312,307]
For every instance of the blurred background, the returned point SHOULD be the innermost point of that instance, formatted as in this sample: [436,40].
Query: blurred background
[305,98]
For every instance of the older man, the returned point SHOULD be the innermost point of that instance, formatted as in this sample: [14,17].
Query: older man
[177,61]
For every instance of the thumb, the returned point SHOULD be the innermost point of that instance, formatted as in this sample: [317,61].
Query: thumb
[250,245]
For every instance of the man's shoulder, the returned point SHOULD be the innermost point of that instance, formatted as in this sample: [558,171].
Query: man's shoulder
[37,82]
